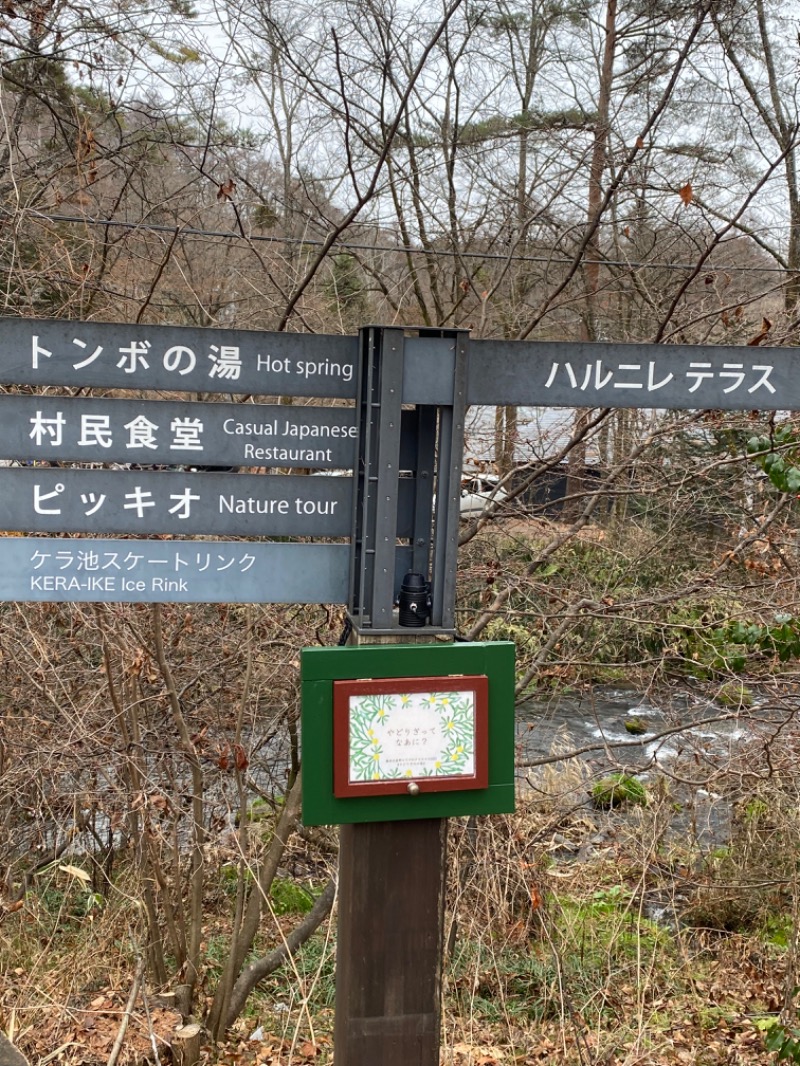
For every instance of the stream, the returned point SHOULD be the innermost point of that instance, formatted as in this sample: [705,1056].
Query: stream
[594,724]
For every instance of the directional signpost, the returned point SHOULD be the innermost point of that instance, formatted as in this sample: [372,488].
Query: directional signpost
[186,501]
[245,505]
[397,422]
[176,359]
[92,570]
[161,433]
[121,444]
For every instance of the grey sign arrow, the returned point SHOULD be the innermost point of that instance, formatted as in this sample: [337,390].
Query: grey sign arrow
[682,376]
[157,432]
[111,501]
[175,358]
[56,352]
[46,500]
[158,571]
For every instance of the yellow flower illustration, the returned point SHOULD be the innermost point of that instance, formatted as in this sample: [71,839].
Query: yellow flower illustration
[405,699]
[376,757]
[408,773]
[450,725]
[375,775]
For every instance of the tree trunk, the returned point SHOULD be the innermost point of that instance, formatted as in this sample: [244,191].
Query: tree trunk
[186,1044]
[9,1056]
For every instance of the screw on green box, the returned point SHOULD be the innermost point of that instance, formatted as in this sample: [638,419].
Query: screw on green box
[320,667]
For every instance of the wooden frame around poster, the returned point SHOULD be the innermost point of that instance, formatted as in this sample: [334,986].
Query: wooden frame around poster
[430,699]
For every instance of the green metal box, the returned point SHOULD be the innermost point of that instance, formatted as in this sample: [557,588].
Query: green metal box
[321,667]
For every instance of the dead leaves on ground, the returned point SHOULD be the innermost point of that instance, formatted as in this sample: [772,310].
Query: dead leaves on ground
[90,1038]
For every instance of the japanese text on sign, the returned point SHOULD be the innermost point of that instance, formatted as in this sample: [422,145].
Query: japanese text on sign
[89,570]
[146,571]
[222,362]
[633,375]
[749,377]
[113,501]
[185,434]
[178,359]
[158,432]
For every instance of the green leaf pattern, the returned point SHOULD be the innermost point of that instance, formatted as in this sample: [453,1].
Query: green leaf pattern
[412,735]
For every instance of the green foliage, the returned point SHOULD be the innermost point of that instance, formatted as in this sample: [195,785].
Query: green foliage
[314,989]
[782,639]
[265,216]
[505,126]
[178,56]
[503,629]
[734,694]
[697,635]
[745,887]
[777,930]
[604,937]
[287,897]
[230,875]
[781,468]
[259,811]
[65,900]
[603,901]
[691,635]
[785,1042]
[726,647]
[618,789]
[346,287]
[518,981]
[754,810]
[592,944]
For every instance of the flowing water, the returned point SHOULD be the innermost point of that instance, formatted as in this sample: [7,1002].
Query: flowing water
[594,723]
[683,740]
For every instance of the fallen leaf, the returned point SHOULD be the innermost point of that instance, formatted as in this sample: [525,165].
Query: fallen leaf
[76,871]
[766,326]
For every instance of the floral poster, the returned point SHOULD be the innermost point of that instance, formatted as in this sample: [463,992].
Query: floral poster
[411,735]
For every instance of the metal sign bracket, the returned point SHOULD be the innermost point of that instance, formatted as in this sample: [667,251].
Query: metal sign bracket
[422,445]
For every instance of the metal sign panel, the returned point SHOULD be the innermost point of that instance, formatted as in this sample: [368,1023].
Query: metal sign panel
[529,373]
[678,376]
[36,569]
[175,358]
[157,432]
[56,352]
[36,500]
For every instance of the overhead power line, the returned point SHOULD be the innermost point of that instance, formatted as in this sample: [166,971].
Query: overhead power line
[350,246]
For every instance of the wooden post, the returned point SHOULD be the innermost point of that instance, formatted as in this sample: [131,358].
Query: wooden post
[390,935]
[389,943]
